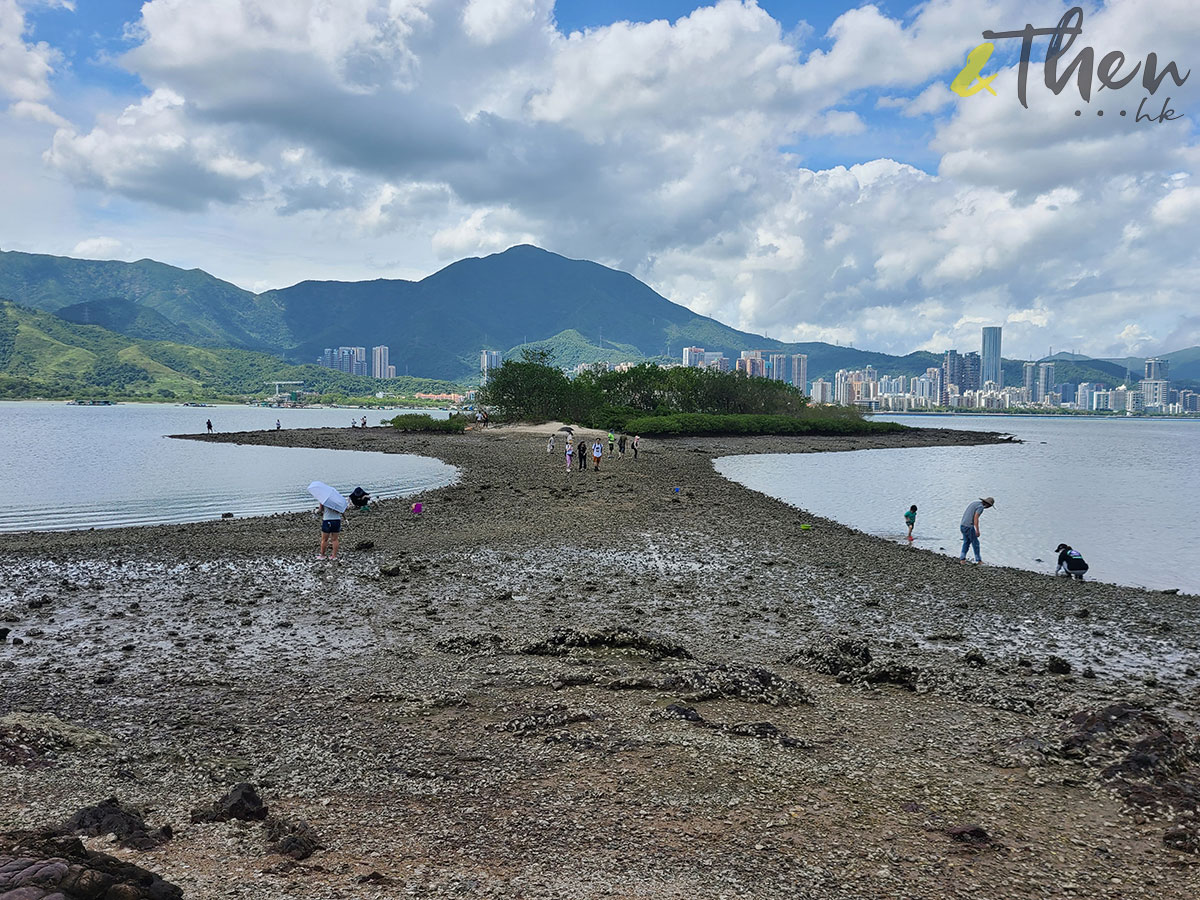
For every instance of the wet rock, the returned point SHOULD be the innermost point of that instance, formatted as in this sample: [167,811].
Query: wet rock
[618,637]
[1056,665]
[226,515]
[975,658]
[242,802]
[365,545]
[834,655]
[538,720]
[763,731]
[749,684]
[51,867]
[4,633]
[1183,836]
[124,823]
[974,835]
[295,839]
[104,678]
[390,571]
[486,643]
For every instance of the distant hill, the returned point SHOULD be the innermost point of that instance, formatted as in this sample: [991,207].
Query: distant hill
[42,355]
[580,311]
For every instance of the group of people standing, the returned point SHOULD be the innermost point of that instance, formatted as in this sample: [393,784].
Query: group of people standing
[1070,561]
[581,452]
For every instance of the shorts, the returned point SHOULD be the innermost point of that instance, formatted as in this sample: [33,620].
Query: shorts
[331,526]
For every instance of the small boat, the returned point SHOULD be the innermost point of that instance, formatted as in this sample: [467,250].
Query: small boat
[91,403]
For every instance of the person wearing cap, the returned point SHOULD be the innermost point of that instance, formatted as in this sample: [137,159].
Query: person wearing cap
[970,527]
[1070,562]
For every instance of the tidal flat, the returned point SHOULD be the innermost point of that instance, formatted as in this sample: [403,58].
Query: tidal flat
[593,685]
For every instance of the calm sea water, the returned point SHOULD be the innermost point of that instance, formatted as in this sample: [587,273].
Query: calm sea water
[71,467]
[1121,491]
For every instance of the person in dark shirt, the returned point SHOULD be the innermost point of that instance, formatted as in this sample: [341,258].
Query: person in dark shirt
[1070,562]
[582,452]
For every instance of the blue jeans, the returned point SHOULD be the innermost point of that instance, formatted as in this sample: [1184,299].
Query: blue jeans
[970,541]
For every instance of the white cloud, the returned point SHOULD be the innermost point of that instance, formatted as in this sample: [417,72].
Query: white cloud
[100,248]
[389,135]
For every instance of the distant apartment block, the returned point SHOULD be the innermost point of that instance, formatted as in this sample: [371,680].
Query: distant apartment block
[489,360]
[379,362]
[351,360]
[991,366]
[800,372]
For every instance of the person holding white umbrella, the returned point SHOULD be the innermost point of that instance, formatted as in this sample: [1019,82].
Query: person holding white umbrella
[333,507]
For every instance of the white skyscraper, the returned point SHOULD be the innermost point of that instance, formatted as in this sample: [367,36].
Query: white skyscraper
[800,372]
[379,362]
[488,360]
[991,368]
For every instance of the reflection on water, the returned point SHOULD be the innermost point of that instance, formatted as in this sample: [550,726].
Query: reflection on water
[1119,491]
[103,467]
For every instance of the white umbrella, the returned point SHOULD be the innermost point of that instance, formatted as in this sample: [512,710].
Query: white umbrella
[328,496]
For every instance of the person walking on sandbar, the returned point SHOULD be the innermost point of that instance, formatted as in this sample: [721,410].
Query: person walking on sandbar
[621,446]
[970,527]
[910,519]
[209,424]
[570,456]
[597,454]
[582,451]
[637,441]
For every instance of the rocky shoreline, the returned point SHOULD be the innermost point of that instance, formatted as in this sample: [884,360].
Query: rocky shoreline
[593,685]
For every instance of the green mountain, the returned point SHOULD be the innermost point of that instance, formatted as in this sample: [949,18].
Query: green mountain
[210,312]
[42,355]
[579,311]
[1184,365]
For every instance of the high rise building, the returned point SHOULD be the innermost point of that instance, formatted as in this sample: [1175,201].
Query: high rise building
[1045,380]
[1154,391]
[1156,369]
[991,368]
[488,360]
[693,356]
[1029,369]
[800,372]
[754,366]
[391,371]
[379,362]
[952,370]
[779,367]
[970,372]
[822,391]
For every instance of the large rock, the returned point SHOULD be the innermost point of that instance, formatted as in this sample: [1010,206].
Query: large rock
[124,823]
[242,802]
[44,867]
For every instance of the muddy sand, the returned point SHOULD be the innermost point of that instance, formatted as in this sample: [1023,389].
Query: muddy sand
[585,686]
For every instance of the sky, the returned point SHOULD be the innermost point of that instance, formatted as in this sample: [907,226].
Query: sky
[800,170]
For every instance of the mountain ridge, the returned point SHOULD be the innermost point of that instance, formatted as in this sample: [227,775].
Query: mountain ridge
[435,326]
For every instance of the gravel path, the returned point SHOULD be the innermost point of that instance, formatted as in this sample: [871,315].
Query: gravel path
[593,686]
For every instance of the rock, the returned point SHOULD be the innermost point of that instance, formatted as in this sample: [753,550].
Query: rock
[1183,836]
[975,658]
[1170,591]
[4,633]
[389,571]
[242,802]
[975,835]
[537,720]
[226,515]
[51,867]
[295,839]
[834,655]
[749,684]
[365,545]
[765,731]
[104,678]
[618,637]
[124,823]
[1056,665]
[469,645]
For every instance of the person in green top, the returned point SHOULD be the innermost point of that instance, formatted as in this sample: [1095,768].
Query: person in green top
[612,439]
[910,519]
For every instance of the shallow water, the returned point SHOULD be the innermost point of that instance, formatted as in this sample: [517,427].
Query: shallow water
[72,467]
[1121,491]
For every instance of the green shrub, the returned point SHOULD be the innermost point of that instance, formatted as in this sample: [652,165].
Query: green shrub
[702,424]
[423,422]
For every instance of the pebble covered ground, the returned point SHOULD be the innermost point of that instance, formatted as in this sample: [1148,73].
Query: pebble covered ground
[592,685]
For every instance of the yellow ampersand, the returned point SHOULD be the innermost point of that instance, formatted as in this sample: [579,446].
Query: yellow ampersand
[976,60]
